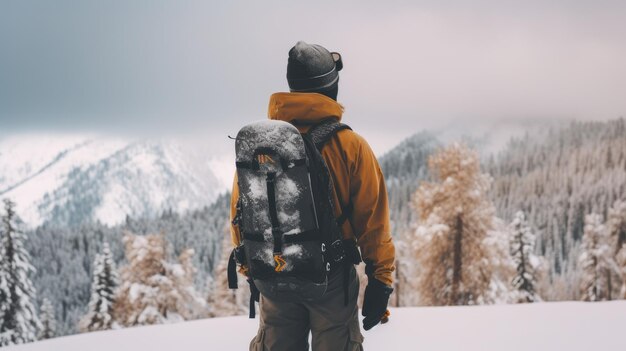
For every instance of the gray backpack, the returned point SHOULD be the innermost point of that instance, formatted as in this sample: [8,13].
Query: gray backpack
[291,238]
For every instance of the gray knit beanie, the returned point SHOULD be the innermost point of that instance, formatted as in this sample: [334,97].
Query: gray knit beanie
[312,68]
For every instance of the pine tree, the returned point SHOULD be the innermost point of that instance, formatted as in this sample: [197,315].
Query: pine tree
[48,320]
[455,217]
[558,176]
[222,300]
[503,268]
[103,287]
[154,290]
[64,263]
[19,322]
[522,246]
[405,270]
[620,258]
[616,224]
[594,260]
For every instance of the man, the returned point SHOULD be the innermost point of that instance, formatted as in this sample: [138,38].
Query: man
[312,74]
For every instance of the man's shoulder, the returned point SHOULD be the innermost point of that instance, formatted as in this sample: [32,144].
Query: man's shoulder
[348,137]
[354,146]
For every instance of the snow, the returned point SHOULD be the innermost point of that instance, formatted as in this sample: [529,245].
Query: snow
[137,290]
[295,230]
[267,133]
[223,166]
[106,176]
[30,153]
[289,220]
[257,189]
[266,255]
[288,190]
[33,165]
[294,250]
[567,326]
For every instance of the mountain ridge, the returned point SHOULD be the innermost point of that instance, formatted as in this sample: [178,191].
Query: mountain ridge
[69,180]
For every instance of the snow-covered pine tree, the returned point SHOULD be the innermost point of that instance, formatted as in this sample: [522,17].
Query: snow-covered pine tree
[103,288]
[223,301]
[189,301]
[620,259]
[557,175]
[403,289]
[497,245]
[522,246]
[48,320]
[455,217]
[19,322]
[595,260]
[616,225]
[5,292]
[153,290]
[407,269]
[65,256]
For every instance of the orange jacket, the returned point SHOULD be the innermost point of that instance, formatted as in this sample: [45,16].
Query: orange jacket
[356,171]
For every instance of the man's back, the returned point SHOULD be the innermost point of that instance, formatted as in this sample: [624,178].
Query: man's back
[356,175]
[359,194]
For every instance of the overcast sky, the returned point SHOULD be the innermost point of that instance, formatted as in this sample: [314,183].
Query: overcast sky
[209,67]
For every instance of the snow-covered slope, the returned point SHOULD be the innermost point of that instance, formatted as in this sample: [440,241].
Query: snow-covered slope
[69,179]
[564,326]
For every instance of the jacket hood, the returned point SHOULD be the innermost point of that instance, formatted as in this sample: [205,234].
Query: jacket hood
[303,108]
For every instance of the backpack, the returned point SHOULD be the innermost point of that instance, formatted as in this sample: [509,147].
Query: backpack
[291,239]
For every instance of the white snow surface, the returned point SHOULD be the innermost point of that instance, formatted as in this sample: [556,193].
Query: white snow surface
[570,326]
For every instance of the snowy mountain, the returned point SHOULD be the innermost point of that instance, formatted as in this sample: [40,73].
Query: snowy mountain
[567,326]
[70,179]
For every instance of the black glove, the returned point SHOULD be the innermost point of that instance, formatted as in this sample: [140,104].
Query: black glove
[375,303]
[254,291]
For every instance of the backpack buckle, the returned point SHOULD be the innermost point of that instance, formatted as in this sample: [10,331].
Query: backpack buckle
[239,255]
[352,251]
[338,251]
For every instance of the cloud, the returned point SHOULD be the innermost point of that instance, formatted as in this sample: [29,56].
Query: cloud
[157,66]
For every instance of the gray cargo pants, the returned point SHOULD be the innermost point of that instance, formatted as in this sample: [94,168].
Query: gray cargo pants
[285,326]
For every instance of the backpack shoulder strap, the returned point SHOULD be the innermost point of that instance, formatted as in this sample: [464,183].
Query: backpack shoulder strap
[321,133]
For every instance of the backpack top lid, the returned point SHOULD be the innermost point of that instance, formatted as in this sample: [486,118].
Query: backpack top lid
[267,134]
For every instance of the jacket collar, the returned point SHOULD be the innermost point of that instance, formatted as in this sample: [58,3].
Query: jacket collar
[303,108]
